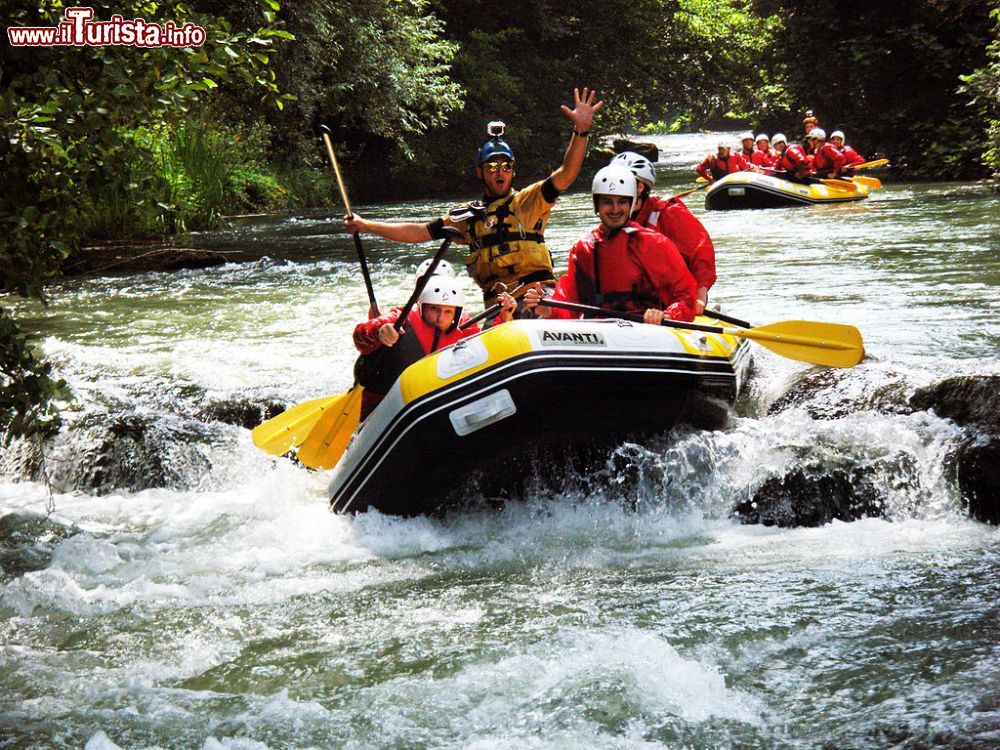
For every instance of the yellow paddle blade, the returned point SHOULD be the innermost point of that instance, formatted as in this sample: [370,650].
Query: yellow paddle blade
[872,183]
[279,434]
[842,184]
[872,164]
[699,178]
[826,344]
[328,439]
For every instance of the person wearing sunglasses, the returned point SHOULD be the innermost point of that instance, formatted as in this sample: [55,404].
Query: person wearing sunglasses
[505,229]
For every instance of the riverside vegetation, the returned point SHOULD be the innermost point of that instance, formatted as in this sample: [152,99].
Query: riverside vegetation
[123,142]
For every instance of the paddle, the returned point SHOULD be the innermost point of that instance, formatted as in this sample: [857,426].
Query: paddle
[279,434]
[842,184]
[347,205]
[827,344]
[493,309]
[726,318]
[872,183]
[328,439]
[871,164]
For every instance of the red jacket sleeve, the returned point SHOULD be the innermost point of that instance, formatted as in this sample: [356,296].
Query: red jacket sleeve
[366,334]
[691,238]
[669,275]
[565,290]
[705,168]
[738,163]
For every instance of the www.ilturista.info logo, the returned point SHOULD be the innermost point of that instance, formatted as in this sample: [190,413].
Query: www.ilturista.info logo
[78,30]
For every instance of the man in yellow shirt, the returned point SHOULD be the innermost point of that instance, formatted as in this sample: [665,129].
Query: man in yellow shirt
[505,230]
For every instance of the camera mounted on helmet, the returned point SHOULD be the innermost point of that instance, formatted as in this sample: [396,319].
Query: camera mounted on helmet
[495,146]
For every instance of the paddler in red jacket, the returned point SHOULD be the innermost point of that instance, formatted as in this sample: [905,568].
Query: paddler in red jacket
[851,157]
[746,146]
[432,324]
[671,218]
[716,166]
[763,156]
[827,159]
[792,164]
[620,265]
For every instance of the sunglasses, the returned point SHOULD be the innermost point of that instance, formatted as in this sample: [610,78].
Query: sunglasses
[496,166]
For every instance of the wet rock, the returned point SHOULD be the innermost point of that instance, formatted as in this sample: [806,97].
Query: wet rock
[979,479]
[972,401]
[21,461]
[966,399]
[241,412]
[125,258]
[834,393]
[813,495]
[649,150]
[27,541]
[132,452]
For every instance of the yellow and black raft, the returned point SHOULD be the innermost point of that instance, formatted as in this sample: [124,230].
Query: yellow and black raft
[756,190]
[479,407]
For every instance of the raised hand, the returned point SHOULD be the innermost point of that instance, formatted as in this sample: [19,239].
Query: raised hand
[583,110]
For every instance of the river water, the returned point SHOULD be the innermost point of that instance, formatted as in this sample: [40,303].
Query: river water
[204,597]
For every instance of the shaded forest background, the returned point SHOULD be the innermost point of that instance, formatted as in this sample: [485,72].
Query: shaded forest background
[122,142]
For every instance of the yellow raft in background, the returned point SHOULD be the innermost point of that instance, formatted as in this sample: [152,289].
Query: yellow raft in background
[756,190]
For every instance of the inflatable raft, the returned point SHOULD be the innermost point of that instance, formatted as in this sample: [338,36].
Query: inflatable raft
[756,190]
[480,407]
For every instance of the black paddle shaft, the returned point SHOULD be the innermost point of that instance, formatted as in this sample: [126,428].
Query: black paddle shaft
[451,233]
[598,311]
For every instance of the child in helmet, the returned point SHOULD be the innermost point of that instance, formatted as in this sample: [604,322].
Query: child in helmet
[432,324]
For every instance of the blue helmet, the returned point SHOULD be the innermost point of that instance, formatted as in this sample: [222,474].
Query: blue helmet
[493,147]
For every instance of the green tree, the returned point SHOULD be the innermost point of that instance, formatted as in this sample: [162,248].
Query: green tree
[983,85]
[66,115]
[889,75]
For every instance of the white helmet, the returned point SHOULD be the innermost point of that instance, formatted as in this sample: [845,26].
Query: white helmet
[443,268]
[615,179]
[761,137]
[817,133]
[641,167]
[443,290]
[746,135]
[837,134]
[779,138]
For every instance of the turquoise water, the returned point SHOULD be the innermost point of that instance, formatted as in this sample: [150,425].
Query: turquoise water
[230,609]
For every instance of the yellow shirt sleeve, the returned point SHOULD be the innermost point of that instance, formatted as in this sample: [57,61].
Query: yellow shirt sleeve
[530,206]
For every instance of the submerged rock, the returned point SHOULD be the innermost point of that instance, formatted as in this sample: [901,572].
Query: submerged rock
[27,541]
[814,494]
[966,399]
[132,452]
[649,150]
[241,412]
[834,393]
[972,401]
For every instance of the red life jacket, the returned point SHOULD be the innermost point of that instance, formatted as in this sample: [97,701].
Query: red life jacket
[764,158]
[851,157]
[828,159]
[717,167]
[380,366]
[636,269]
[673,220]
[794,160]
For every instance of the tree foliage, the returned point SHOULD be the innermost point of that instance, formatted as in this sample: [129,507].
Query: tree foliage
[889,75]
[983,85]
[66,115]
